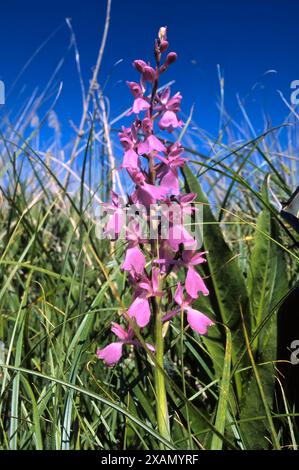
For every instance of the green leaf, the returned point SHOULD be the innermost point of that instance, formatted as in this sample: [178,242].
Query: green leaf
[267,285]
[267,276]
[228,293]
[36,415]
[222,408]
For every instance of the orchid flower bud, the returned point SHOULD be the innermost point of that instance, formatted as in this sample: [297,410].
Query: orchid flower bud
[171,58]
[149,73]
[162,35]
[139,65]
[163,46]
[163,67]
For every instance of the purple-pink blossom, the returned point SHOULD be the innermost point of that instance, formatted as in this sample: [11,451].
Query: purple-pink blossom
[112,353]
[153,166]
[197,320]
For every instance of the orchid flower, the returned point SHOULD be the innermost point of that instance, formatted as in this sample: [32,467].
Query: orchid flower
[197,320]
[128,139]
[170,107]
[116,220]
[112,353]
[140,103]
[135,260]
[151,142]
[168,169]
[194,282]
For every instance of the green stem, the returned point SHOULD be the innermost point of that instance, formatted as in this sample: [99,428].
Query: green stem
[161,398]
[160,389]
[184,382]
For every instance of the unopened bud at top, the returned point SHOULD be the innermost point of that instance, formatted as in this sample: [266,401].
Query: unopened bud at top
[162,35]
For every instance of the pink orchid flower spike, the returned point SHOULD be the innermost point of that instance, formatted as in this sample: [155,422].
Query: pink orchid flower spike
[153,165]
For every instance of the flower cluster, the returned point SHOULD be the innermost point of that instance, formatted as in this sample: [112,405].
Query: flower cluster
[153,165]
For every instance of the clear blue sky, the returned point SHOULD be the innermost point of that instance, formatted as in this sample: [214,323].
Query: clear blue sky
[246,38]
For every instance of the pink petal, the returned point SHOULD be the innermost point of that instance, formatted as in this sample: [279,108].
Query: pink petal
[134,261]
[143,147]
[111,354]
[136,175]
[152,143]
[119,331]
[198,258]
[140,310]
[149,194]
[177,235]
[140,105]
[164,97]
[155,279]
[145,285]
[135,89]
[178,296]
[155,144]
[130,160]
[171,180]
[187,198]
[198,321]
[174,102]
[150,347]
[156,191]
[191,258]
[194,283]
[169,121]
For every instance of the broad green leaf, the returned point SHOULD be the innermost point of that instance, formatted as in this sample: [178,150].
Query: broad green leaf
[228,293]
[267,285]
[223,400]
